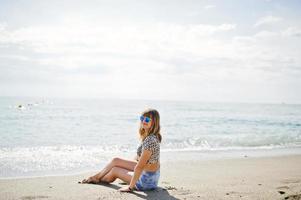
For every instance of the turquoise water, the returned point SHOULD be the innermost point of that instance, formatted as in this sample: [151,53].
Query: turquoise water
[51,136]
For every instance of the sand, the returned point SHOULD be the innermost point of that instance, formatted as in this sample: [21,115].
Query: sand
[236,178]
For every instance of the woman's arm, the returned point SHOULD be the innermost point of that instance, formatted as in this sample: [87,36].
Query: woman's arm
[145,156]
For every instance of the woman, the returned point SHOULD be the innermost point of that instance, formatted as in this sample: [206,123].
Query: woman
[146,166]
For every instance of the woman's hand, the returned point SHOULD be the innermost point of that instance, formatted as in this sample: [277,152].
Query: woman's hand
[126,189]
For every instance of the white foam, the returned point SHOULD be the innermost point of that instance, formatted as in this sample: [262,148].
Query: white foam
[22,160]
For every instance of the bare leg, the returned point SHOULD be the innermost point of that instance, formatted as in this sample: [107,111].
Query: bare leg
[117,172]
[116,162]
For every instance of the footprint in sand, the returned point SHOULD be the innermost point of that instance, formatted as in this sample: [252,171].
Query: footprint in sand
[170,188]
[293,197]
[291,181]
[232,192]
[283,188]
[34,197]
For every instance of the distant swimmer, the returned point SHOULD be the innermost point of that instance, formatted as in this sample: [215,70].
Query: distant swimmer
[21,107]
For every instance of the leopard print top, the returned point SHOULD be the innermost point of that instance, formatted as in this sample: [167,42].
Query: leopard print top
[152,144]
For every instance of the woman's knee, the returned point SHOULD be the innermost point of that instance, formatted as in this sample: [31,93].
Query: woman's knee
[115,161]
[114,171]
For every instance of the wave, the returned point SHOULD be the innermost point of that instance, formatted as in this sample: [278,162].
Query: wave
[35,161]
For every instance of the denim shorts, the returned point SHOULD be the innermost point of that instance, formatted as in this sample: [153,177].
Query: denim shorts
[148,180]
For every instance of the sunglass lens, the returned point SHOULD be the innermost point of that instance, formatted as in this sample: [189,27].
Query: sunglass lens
[147,119]
[141,118]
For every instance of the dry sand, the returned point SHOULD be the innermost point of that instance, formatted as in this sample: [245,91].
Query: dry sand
[240,178]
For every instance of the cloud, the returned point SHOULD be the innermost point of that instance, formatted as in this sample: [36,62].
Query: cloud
[2,26]
[157,48]
[207,7]
[292,31]
[267,20]
[127,40]
[288,32]
[265,34]
[269,52]
[178,59]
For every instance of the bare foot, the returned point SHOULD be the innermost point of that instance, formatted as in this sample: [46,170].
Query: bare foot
[91,180]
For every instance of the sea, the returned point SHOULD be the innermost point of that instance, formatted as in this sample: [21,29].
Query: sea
[53,136]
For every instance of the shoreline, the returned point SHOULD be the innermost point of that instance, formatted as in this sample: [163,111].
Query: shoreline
[276,177]
[181,156]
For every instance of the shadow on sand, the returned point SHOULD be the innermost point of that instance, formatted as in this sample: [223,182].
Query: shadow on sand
[159,193]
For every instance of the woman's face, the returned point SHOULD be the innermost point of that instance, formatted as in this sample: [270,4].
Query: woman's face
[146,125]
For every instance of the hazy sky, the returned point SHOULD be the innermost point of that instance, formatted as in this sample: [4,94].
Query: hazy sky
[207,50]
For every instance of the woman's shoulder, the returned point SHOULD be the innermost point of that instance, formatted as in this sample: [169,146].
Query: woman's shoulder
[150,138]
[150,143]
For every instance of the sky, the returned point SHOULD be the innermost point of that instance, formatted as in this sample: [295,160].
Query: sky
[192,50]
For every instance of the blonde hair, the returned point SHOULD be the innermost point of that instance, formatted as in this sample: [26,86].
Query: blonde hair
[155,127]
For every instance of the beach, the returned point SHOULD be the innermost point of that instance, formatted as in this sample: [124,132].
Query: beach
[274,177]
[206,91]
[208,151]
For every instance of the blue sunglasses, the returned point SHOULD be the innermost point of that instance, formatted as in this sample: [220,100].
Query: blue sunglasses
[146,119]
